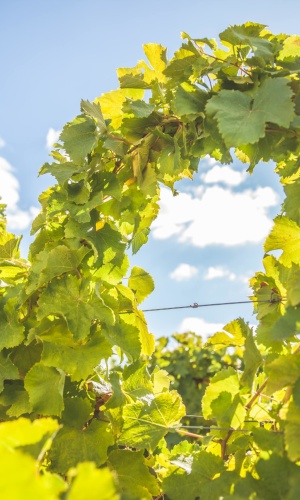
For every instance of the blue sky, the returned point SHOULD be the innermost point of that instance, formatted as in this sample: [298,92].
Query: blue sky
[208,241]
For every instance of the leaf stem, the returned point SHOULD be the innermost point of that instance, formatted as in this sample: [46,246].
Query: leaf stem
[255,396]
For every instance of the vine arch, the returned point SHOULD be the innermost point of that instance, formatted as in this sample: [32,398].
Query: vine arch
[66,311]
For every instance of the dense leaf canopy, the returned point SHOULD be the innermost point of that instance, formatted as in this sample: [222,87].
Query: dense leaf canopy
[84,411]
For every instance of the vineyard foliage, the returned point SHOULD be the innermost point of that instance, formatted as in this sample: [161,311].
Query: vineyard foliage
[85,412]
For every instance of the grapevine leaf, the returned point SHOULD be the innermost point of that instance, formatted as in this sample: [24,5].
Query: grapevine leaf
[15,399]
[267,440]
[9,245]
[285,235]
[11,331]
[125,336]
[128,464]
[94,111]
[139,238]
[136,381]
[242,118]
[72,446]
[291,432]
[62,172]
[79,138]
[291,48]
[22,432]
[236,333]
[8,371]
[156,55]
[264,98]
[296,393]
[138,322]
[283,371]
[116,145]
[274,476]
[252,361]
[249,34]
[100,483]
[25,356]
[222,400]
[76,360]
[77,412]
[28,482]
[141,283]
[71,299]
[287,325]
[145,425]
[61,260]
[189,101]
[199,475]
[45,387]
[238,122]
[140,109]
[291,205]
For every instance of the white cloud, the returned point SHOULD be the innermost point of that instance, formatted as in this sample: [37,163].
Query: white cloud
[224,174]
[2,142]
[199,326]
[183,272]
[219,272]
[219,217]
[52,137]
[17,219]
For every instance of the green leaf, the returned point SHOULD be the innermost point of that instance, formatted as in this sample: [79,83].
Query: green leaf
[78,361]
[61,260]
[136,381]
[283,371]
[285,236]
[139,238]
[249,34]
[45,387]
[28,482]
[252,361]
[291,48]
[15,399]
[23,432]
[236,333]
[93,110]
[9,245]
[238,123]
[8,371]
[118,146]
[144,425]
[196,476]
[62,172]
[264,98]
[140,109]
[291,432]
[79,138]
[77,412]
[189,101]
[242,117]
[99,483]
[287,325]
[156,55]
[71,299]
[72,446]
[141,283]
[222,399]
[129,464]
[268,441]
[274,473]
[126,336]
[11,331]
